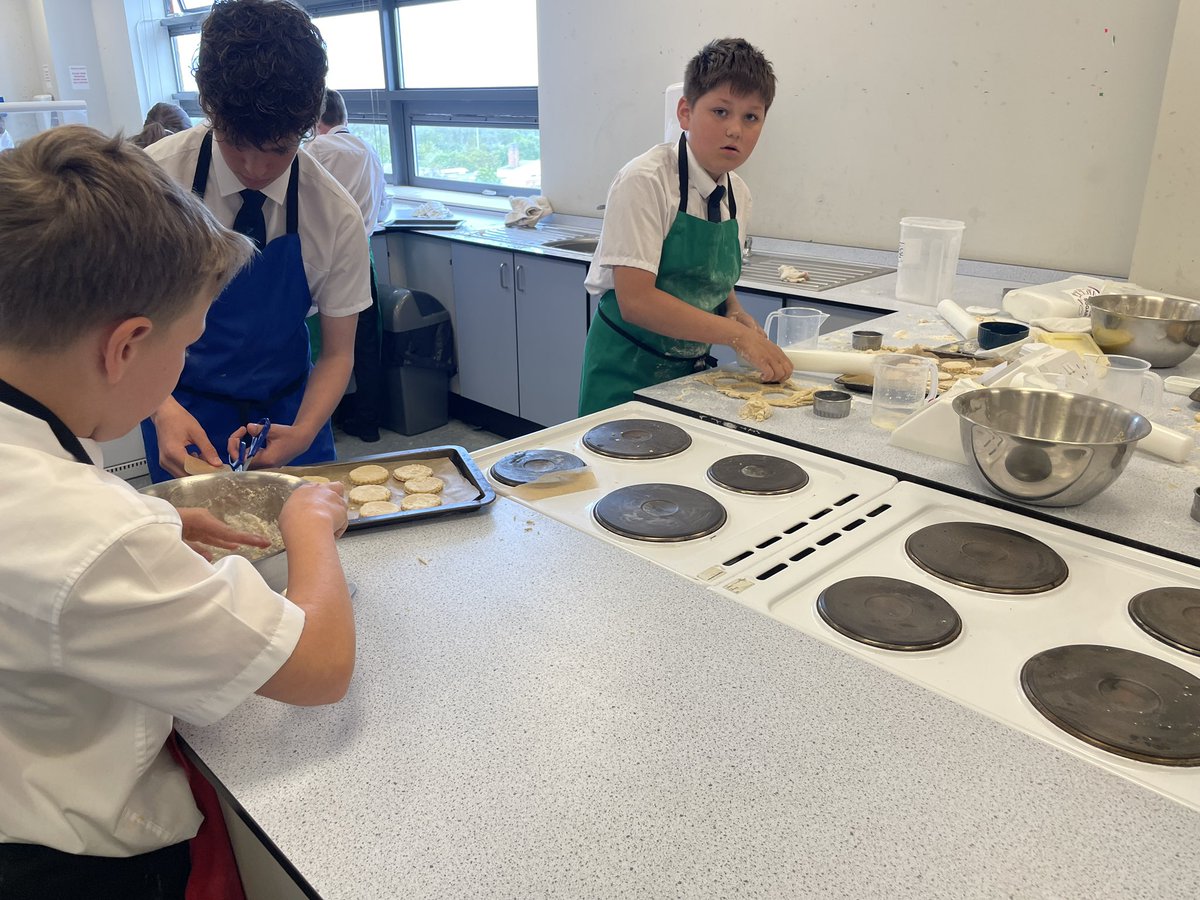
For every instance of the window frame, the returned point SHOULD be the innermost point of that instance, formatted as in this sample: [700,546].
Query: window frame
[400,108]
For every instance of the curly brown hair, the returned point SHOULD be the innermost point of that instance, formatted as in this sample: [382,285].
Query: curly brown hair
[261,71]
[732,61]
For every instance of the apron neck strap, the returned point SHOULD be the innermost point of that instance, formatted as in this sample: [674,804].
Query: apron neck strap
[683,181]
[19,400]
[204,162]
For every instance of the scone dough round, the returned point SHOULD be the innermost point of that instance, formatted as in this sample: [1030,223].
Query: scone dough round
[316,479]
[378,508]
[420,501]
[369,493]
[368,475]
[412,470]
[429,485]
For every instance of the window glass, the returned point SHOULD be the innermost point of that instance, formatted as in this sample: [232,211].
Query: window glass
[376,135]
[469,43]
[500,156]
[355,47]
[186,46]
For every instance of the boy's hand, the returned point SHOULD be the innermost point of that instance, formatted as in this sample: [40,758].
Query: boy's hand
[764,355]
[284,443]
[202,531]
[744,318]
[310,505]
[177,429]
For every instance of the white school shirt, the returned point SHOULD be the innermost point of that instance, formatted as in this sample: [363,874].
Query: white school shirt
[109,627]
[332,242]
[357,168]
[641,208]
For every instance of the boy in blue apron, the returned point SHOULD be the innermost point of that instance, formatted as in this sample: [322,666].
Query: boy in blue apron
[670,248]
[261,75]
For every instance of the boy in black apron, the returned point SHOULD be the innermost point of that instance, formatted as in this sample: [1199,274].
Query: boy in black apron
[670,249]
[261,74]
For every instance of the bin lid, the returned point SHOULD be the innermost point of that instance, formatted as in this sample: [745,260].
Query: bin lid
[405,310]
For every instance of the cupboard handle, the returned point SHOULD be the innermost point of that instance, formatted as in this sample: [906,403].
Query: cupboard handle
[503,271]
[520,279]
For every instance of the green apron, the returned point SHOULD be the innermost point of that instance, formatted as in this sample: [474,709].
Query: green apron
[701,261]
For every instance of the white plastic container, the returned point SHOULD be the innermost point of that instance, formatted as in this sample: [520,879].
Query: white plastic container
[928,259]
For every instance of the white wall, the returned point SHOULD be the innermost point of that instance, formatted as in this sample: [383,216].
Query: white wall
[1031,121]
[19,78]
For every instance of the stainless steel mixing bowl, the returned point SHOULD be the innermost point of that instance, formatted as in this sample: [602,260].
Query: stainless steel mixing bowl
[227,493]
[1164,331]
[1046,448]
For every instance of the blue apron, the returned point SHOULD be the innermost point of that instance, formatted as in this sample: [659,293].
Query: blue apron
[252,360]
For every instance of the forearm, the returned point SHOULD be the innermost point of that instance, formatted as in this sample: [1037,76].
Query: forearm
[329,377]
[660,312]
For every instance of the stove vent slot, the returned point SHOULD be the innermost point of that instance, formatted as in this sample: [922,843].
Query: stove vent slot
[768,542]
[807,551]
[879,509]
[737,559]
[774,570]
[795,527]
[829,539]
[846,499]
[850,526]
[821,514]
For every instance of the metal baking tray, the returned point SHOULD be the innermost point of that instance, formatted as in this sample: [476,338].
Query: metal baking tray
[447,454]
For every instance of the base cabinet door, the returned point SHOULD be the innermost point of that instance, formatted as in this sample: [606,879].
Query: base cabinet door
[485,334]
[551,331]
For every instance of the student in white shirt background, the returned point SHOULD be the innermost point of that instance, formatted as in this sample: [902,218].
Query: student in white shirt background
[357,168]
[6,139]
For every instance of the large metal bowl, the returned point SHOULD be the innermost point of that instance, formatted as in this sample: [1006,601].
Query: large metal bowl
[227,493]
[1164,331]
[1046,448]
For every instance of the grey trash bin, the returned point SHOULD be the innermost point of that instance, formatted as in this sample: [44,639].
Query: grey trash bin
[418,359]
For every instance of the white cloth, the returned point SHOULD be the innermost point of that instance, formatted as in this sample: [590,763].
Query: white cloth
[109,626]
[6,140]
[526,212]
[357,168]
[333,244]
[641,208]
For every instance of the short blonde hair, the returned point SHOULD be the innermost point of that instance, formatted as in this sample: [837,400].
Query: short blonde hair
[92,232]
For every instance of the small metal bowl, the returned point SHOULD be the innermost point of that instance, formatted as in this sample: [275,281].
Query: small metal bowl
[866,340]
[1164,331]
[1046,448]
[225,493]
[831,404]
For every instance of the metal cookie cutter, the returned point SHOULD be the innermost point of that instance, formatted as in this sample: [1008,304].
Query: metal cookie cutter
[866,340]
[831,404]
[1196,504]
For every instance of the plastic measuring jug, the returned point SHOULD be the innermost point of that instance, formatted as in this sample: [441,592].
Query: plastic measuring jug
[928,259]
[1126,381]
[798,326]
[903,384]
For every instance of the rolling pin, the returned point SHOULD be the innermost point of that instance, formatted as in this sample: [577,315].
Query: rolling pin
[840,362]
[960,320]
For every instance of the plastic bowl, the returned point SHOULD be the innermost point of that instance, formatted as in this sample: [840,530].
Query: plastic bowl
[227,493]
[1164,331]
[1046,448]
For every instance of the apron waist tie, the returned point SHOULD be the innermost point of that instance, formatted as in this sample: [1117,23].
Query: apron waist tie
[701,361]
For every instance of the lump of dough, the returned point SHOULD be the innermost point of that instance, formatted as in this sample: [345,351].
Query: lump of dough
[430,485]
[368,475]
[420,501]
[369,493]
[378,508]
[412,470]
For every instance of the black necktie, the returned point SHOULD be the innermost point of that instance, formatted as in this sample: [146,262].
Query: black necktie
[714,203]
[250,220]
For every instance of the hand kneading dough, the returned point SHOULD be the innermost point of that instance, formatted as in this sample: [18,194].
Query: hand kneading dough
[378,508]
[429,485]
[420,501]
[413,470]
[368,475]
[368,493]
[316,479]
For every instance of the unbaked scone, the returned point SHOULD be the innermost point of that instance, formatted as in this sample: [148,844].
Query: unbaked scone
[429,485]
[412,470]
[378,508]
[368,475]
[316,479]
[369,493]
[420,501]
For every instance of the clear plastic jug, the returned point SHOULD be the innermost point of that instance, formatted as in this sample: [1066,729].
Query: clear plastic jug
[928,259]
[902,385]
[797,327]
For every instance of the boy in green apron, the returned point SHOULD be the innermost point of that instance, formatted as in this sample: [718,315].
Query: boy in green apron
[670,250]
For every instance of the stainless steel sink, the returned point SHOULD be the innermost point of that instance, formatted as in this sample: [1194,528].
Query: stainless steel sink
[579,245]
[823,274]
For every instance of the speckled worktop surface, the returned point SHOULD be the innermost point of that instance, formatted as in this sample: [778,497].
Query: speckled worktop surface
[1148,505]
[538,713]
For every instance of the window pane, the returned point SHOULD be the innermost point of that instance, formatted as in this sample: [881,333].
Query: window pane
[497,156]
[376,136]
[469,43]
[186,46]
[355,48]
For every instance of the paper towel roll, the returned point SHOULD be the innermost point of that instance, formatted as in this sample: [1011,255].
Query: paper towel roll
[960,320]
